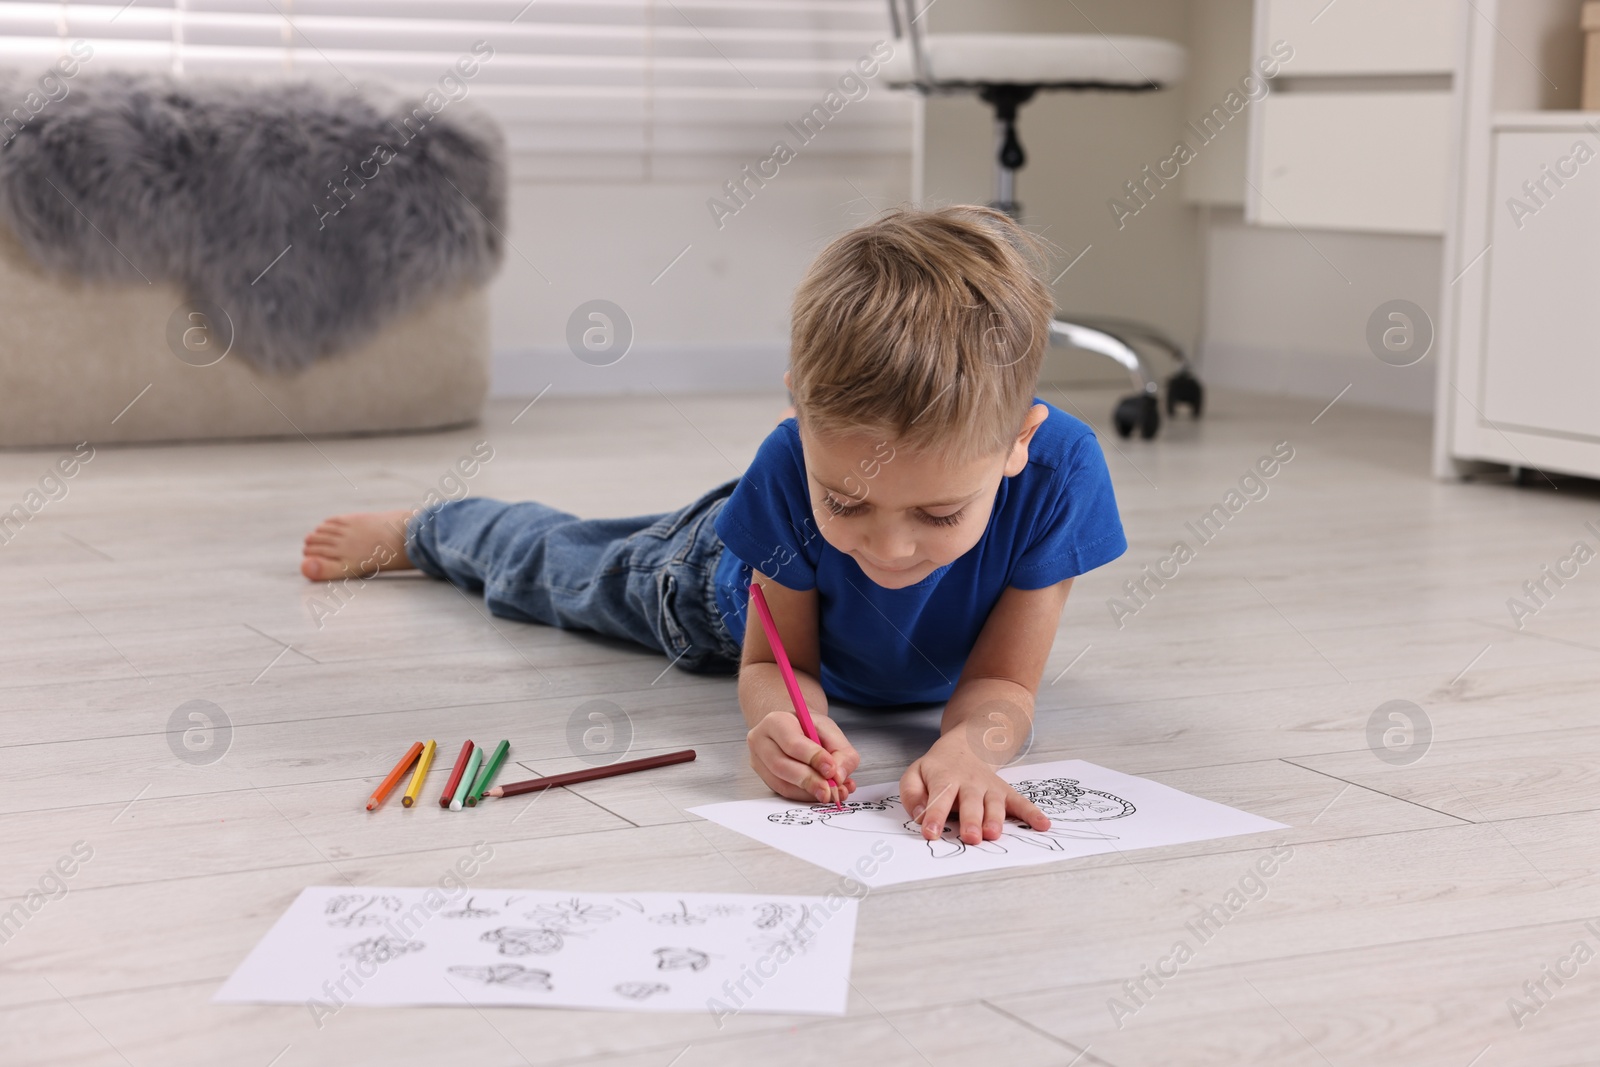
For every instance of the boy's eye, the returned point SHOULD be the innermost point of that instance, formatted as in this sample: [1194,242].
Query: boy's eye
[942,520]
[838,507]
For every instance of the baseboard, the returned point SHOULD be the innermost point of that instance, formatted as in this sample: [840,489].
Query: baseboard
[1320,375]
[720,367]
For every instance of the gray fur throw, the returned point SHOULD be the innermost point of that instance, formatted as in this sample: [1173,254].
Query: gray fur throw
[310,213]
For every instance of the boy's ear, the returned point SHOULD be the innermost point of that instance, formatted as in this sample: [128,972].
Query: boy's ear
[786,384]
[1017,458]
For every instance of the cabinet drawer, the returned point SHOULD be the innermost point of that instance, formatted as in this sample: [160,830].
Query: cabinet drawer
[1541,368]
[1353,161]
[1365,36]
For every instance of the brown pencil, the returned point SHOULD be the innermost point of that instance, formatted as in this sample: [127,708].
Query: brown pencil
[574,777]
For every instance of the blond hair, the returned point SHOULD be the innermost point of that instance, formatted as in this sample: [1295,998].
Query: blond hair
[927,328]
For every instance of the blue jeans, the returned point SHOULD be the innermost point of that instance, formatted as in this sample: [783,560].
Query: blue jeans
[650,579]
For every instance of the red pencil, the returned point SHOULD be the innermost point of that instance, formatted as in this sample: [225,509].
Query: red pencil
[382,792]
[455,775]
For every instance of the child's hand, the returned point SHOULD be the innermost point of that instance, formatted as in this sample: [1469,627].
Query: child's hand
[953,778]
[797,767]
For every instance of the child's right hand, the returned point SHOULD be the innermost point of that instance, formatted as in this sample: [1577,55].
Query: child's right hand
[797,767]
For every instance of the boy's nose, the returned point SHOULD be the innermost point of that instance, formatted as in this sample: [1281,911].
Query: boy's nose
[889,553]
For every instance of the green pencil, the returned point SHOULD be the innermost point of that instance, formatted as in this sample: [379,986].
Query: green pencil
[491,767]
[466,779]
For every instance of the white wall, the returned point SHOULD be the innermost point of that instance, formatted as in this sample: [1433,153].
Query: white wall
[1281,319]
[717,319]
[1286,311]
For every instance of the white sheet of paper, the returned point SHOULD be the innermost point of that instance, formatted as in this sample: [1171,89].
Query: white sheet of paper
[616,951]
[1091,809]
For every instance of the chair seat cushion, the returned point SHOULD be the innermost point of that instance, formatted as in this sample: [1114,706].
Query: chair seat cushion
[967,60]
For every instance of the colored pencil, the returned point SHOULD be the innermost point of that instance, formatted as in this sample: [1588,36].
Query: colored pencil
[592,773]
[473,762]
[491,767]
[381,794]
[796,698]
[455,775]
[419,774]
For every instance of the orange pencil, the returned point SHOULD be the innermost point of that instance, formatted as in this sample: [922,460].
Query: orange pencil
[380,794]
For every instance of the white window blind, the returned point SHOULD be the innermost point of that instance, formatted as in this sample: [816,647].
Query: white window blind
[585,89]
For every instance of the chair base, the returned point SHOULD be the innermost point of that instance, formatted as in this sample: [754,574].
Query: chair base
[1142,410]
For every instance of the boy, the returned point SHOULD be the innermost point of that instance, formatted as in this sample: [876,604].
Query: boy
[915,527]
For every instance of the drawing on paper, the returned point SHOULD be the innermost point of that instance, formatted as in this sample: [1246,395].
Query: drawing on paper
[575,949]
[470,910]
[641,990]
[678,917]
[569,915]
[770,915]
[1062,799]
[525,940]
[358,909]
[1092,810]
[381,949]
[681,959]
[507,974]
[789,939]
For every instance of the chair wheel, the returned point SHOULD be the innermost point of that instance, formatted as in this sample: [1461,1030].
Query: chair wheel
[1184,388]
[1140,410]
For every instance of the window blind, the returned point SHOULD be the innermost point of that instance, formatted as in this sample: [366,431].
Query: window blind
[642,90]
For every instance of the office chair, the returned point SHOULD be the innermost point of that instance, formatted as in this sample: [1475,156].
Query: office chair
[1005,71]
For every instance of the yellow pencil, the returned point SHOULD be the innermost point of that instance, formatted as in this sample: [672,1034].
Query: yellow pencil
[423,763]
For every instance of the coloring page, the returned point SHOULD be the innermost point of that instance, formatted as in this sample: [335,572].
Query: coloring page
[717,952]
[1091,809]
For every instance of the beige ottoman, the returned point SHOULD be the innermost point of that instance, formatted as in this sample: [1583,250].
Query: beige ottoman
[74,356]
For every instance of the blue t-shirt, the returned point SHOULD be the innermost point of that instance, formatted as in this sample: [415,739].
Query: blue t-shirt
[1054,520]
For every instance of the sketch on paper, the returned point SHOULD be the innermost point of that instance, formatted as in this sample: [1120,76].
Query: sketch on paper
[1091,810]
[770,915]
[681,959]
[356,909]
[470,910]
[381,949]
[679,916]
[1062,799]
[641,990]
[514,975]
[782,939]
[525,940]
[644,952]
[570,915]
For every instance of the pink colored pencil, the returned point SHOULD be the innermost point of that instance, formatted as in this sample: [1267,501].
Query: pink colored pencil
[796,698]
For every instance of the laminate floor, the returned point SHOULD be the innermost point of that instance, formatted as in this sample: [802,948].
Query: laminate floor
[1432,910]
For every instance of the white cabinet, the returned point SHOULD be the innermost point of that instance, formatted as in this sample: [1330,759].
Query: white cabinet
[1371,161]
[1541,350]
[1355,134]
[1365,36]
[1519,329]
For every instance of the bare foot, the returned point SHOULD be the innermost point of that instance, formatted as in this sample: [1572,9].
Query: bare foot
[359,545]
